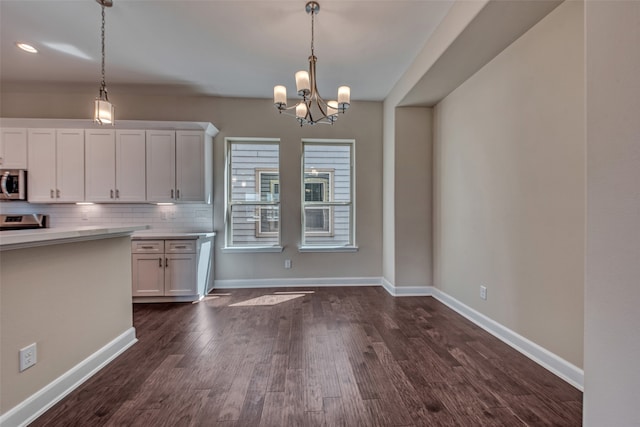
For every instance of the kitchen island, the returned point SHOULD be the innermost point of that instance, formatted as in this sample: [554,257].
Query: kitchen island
[68,291]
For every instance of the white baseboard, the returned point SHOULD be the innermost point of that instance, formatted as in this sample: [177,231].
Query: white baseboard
[548,360]
[35,405]
[407,291]
[296,282]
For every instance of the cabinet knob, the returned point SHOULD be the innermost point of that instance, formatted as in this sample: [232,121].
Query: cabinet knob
[53,196]
[111,191]
[177,194]
[57,194]
[166,262]
[160,262]
[117,193]
[172,193]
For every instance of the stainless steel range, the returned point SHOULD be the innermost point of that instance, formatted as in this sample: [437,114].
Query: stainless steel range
[23,221]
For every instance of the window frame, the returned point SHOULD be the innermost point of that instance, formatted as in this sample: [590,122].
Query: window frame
[305,246]
[229,204]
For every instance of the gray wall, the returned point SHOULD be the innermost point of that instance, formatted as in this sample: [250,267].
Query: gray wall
[612,290]
[247,118]
[510,186]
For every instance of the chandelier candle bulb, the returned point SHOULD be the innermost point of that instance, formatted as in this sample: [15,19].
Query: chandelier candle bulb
[280,96]
[344,96]
[302,83]
[301,111]
[332,108]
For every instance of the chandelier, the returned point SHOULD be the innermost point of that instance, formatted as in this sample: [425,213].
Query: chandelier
[312,108]
[103,109]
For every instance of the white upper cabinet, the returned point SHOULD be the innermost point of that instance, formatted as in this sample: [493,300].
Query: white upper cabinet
[13,148]
[179,166]
[130,166]
[56,171]
[115,161]
[193,167]
[70,165]
[161,166]
[100,161]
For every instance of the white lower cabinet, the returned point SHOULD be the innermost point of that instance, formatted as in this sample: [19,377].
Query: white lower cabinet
[176,269]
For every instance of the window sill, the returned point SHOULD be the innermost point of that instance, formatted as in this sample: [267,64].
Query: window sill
[327,249]
[252,249]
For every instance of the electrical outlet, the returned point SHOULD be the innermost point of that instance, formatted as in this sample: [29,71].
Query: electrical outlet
[28,356]
[483,292]
[287,263]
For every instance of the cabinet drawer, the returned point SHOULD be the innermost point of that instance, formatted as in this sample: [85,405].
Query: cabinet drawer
[180,246]
[147,246]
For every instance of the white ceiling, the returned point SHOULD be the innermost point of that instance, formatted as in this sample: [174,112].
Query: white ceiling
[234,48]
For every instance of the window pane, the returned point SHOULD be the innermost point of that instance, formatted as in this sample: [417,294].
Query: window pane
[253,225]
[329,163]
[246,161]
[327,225]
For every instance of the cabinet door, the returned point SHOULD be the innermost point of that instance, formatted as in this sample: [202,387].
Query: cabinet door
[13,148]
[190,160]
[148,275]
[100,163]
[180,275]
[70,165]
[161,166]
[41,178]
[130,166]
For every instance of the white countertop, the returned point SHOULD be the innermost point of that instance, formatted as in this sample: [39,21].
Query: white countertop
[19,239]
[157,234]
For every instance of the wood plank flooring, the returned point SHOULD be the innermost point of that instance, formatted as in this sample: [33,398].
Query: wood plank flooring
[332,357]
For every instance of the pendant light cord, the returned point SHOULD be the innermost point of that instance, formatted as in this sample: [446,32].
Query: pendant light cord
[103,84]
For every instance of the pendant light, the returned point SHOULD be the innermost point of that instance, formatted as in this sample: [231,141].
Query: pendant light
[103,109]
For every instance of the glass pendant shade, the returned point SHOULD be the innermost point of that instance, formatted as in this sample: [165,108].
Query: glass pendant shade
[103,112]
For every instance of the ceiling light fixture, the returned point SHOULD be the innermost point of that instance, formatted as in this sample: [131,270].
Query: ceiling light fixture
[313,108]
[27,47]
[103,109]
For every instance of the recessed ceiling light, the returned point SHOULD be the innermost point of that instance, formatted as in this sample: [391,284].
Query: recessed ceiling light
[27,47]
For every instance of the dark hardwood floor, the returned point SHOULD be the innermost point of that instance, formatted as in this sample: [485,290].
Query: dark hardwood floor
[333,357]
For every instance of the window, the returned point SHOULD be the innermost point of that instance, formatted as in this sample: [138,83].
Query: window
[328,210]
[253,193]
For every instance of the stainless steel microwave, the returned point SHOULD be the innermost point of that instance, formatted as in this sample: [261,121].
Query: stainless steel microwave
[13,184]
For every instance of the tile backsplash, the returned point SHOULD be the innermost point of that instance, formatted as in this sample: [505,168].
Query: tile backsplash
[171,218]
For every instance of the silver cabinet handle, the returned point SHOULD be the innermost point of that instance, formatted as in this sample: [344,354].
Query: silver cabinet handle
[53,196]
[166,262]
[111,191]
[1,160]
[146,247]
[117,193]
[177,194]
[3,183]
[172,193]
[57,194]
[181,247]
[160,262]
